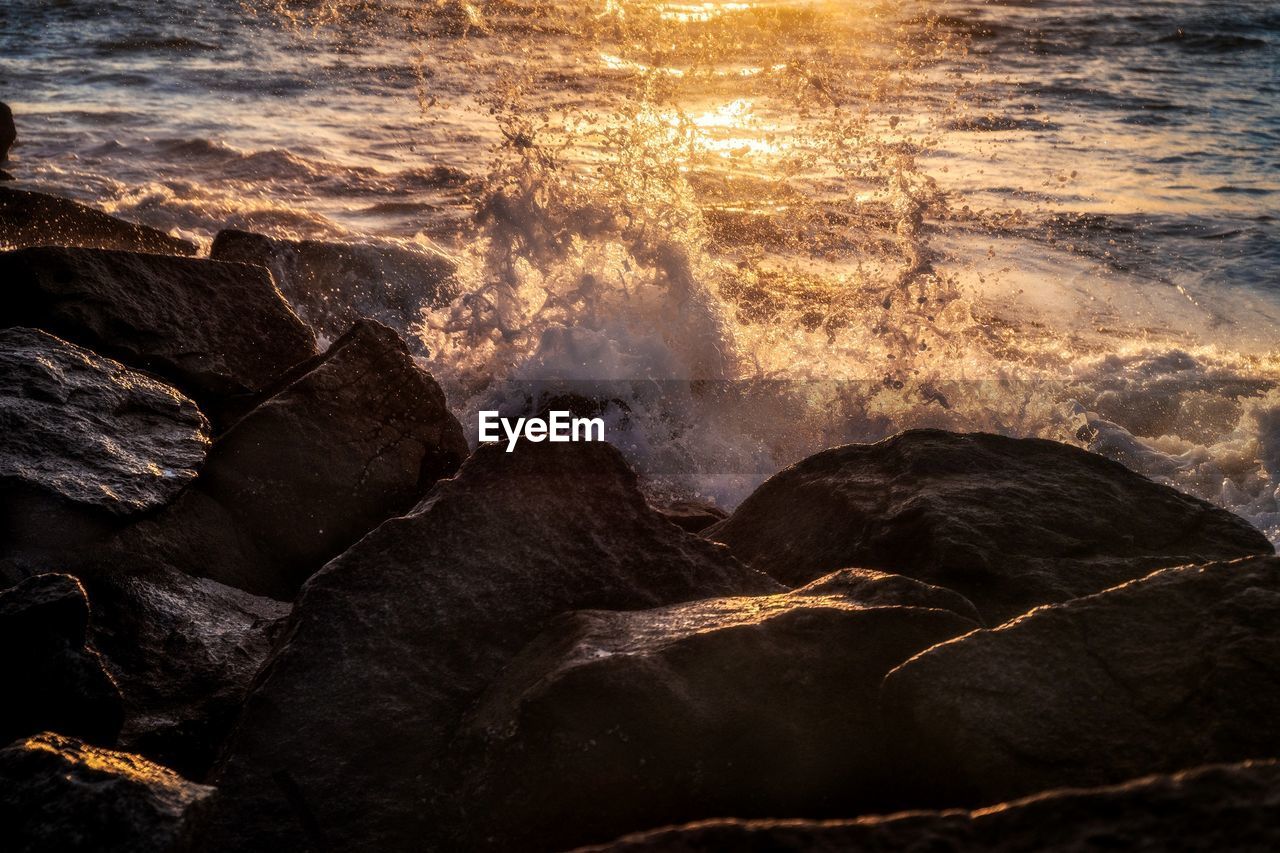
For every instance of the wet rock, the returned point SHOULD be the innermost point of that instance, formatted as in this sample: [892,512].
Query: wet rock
[333,285]
[1171,671]
[349,440]
[693,516]
[1008,523]
[221,332]
[183,650]
[52,679]
[343,739]
[37,219]
[8,131]
[87,441]
[613,722]
[1223,807]
[59,794]
[879,589]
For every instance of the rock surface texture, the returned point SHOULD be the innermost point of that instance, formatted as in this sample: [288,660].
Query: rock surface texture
[218,331]
[1227,807]
[343,740]
[183,650]
[52,679]
[35,219]
[347,441]
[1171,671]
[1008,523]
[59,794]
[334,285]
[86,439]
[613,722]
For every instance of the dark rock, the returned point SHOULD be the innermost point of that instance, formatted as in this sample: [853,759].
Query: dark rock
[36,219]
[878,589]
[333,285]
[8,131]
[353,438]
[87,441]
[693,516]
[343,739]
[58,794]
[1225,807]
[5,176]
[221,332]
[183,651]
[52,679]
[613,722]
[1172,671]
[1008,523]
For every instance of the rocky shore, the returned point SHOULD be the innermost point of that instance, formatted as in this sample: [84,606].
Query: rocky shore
[259,594]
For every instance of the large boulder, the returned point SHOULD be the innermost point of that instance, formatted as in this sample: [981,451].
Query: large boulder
[183,650]
[36,219]
[87,442]
[219,331]
[1171,671]
[52,679]
[613,722]
[343,740]
[1222,807]
[333,285]
[347,441]
[59,795]
[1009,523]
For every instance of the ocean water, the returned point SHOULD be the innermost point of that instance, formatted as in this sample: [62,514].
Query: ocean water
[755,228]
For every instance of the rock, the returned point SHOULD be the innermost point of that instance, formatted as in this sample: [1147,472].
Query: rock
[333,285]
[58,794]
[183,651]
[1008,523]
[36,219]
[87,441]
[5,176]
[693,516]
[614,722]
[1171,671]
[343,739]
[8,131]
[1224,807]
[349,440]
[878,589]
[52,679]
[219,331]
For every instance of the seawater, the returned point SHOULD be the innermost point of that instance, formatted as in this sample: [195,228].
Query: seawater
[751,229]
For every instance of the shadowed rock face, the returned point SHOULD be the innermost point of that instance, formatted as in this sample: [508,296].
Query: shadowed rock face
[8,131]
[52,679]
[183,651]
[221,332]
[1008,523]
[348,440]
[334,285]
[612,722]
[36,219]
[1226,807]
[1171,671]
[343,740]
[57,793]
[87,441]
